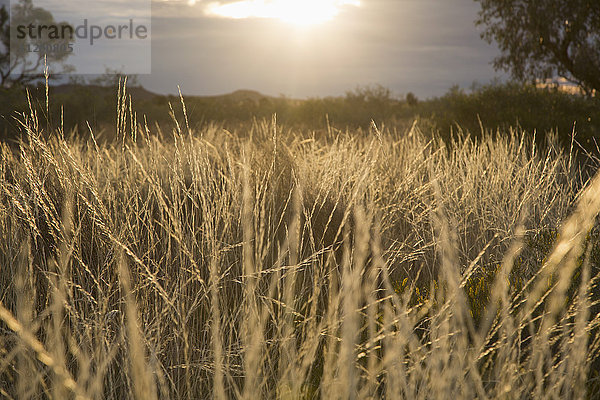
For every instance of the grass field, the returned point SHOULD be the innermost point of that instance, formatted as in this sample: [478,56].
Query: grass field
[275,263]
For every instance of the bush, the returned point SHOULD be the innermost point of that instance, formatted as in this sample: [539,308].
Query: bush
[497,107]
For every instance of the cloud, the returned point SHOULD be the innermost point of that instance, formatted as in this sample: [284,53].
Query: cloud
[423,46]
[294,11]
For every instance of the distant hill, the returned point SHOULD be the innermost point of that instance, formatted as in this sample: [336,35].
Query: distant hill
[239,95]
[140,93]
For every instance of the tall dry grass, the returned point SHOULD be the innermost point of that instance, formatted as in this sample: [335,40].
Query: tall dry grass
[280,264]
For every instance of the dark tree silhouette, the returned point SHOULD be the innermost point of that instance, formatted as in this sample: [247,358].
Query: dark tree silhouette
[411,99]
[541,39]
[23,60]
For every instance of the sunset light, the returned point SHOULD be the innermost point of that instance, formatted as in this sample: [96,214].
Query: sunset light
[297,12]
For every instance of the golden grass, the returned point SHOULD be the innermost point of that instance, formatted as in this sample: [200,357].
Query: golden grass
[281,264]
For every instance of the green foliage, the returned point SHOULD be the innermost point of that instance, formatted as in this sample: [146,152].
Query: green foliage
[545,38]
[498,107]
[495,107]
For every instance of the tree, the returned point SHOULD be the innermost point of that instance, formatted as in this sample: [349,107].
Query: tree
[411,99]
[541,39]
[23,60]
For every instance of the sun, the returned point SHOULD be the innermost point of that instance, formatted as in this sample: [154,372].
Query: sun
[297,12]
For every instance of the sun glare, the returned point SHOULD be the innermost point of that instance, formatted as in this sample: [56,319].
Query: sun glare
[297,12]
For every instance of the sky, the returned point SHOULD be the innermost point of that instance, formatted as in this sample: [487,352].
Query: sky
[306,48]
[421,46]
